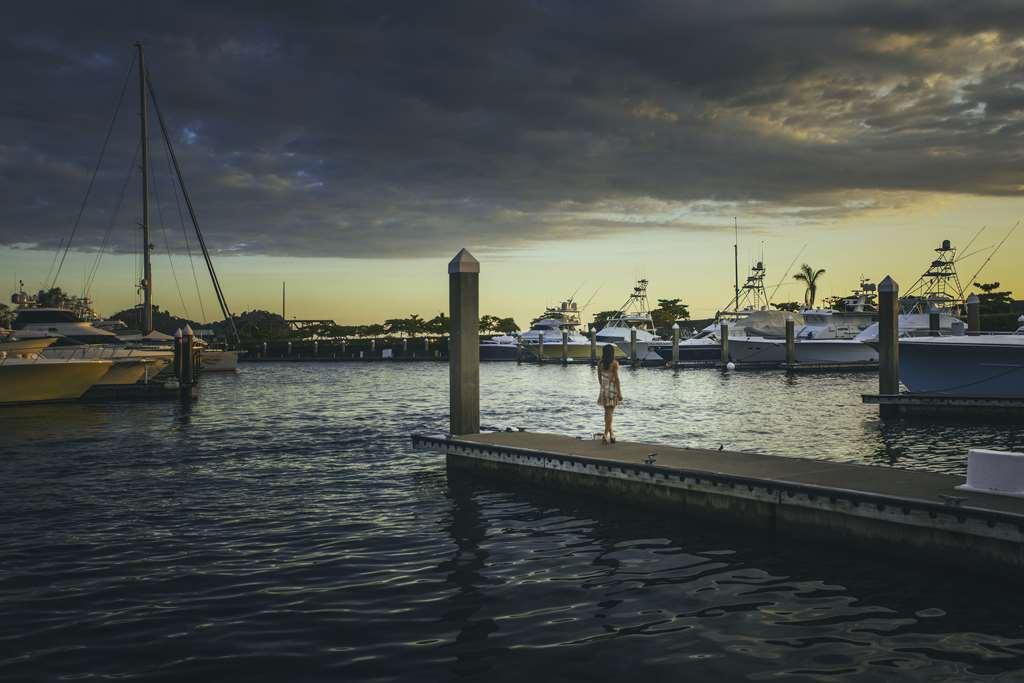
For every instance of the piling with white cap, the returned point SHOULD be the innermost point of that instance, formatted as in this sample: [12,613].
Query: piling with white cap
[675,344]
[632,346]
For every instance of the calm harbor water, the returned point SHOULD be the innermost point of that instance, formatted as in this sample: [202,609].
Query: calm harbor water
[282,528]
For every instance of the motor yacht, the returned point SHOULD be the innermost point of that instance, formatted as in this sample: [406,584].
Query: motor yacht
[32,380]
[544,338]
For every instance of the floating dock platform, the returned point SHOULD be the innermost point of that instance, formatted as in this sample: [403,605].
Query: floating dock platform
[911,405]
[907,512]
[153,391]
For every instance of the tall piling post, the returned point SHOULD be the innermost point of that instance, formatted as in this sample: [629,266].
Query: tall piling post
[675,345]
[724,338]
[188,360]
[633,358]
[289,350]
[405,346]
[316,349]
[540,348]
[790,340]
[593,345]
[343,345]
[888,340]
[426,345]
[264,354]
[177,354]
[464,345]
[973,314]
[565,347]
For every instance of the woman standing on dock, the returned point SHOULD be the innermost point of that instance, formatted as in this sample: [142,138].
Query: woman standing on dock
[611,391]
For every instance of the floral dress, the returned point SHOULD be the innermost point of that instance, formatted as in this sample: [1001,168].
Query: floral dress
[611,393]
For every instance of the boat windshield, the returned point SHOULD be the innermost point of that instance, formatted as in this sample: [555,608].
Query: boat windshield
[44,315]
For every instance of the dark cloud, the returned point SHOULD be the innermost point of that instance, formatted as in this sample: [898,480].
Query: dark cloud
[405,129]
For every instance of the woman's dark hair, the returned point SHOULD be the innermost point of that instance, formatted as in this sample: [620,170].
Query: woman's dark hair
[607,356]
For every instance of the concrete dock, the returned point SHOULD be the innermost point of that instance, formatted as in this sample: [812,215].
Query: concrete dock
[902,511]
[875,509]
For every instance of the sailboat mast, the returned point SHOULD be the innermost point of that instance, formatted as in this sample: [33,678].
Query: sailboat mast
[736,264]
[147,267]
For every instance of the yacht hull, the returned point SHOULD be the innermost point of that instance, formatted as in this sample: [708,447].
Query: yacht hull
[576,353]
[217,360]
[491,352]
[126,371]
[963,369]
[37,380]
[692,353]
[845,351]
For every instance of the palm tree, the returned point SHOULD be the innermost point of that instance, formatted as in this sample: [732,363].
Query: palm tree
[809,276]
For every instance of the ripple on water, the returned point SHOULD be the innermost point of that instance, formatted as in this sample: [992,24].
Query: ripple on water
[282,528]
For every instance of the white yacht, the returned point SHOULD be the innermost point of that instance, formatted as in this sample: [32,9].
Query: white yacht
[33,380]
[547,329]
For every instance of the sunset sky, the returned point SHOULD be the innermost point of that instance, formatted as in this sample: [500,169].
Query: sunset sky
[351,149]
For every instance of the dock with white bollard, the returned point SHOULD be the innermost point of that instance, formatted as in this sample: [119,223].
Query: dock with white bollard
[917,514]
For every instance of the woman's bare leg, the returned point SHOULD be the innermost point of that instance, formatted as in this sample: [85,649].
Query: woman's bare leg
[608,420]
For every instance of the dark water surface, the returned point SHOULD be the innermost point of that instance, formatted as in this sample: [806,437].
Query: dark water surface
[282,529]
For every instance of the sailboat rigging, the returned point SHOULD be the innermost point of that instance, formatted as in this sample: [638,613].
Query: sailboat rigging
[147,94]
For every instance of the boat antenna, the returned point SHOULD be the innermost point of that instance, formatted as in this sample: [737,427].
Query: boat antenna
[736,264]
[192,212]
[147,267]
[786,274]
[1001,243]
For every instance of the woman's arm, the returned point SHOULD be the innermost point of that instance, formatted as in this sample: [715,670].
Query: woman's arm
[615,379]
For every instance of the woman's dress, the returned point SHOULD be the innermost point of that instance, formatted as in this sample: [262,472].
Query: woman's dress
[610,395]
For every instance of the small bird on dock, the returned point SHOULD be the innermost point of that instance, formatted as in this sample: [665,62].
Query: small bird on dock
[721,446]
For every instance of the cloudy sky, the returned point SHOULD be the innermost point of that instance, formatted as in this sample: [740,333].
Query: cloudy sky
[352,148]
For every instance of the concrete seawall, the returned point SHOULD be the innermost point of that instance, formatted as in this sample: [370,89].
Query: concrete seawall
[892,510]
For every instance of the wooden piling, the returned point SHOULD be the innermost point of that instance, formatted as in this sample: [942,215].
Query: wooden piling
[790,340]
[632,347]
[973,314]
[675,344]
[540,348]
[593,345]
[565,347]
[724,337]
[464,345]
[888,340]
[933,324]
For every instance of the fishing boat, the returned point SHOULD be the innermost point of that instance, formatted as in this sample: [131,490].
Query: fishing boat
[34,380]
[633,317]
[989,365]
